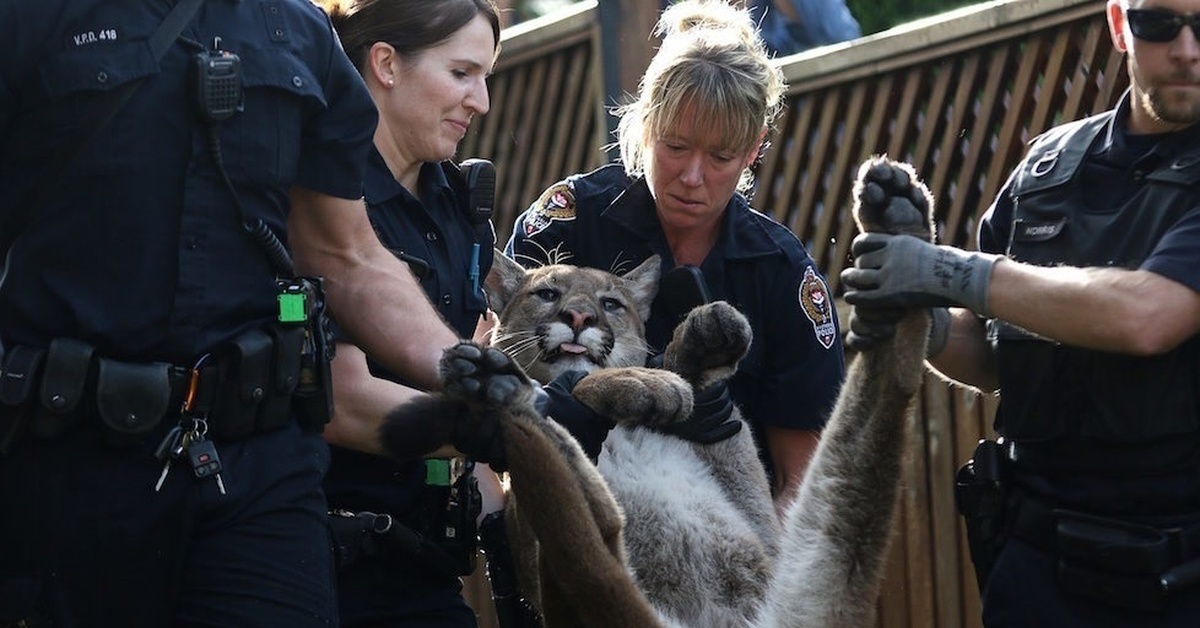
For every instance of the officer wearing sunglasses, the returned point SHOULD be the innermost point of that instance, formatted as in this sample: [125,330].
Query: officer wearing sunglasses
[1082,310]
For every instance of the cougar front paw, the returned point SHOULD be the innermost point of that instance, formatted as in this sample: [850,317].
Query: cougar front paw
[484,376]
[709,343]
[889,198]
[636,395]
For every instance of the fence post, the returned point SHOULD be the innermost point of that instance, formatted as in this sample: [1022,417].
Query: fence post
[625,44]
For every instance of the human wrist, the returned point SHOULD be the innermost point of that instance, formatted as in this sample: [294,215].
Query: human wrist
[963,277]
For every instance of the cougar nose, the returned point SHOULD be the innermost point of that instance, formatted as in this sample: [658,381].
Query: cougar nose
[576,318]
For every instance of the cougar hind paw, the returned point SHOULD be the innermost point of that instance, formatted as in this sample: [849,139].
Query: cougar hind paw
[484,376]
[889,198]
[708,344]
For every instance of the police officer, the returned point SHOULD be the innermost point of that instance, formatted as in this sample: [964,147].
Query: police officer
[1082,310]
[425,64]
[687,148]
[159,466]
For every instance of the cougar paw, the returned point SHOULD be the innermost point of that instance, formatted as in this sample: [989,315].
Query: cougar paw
[483,375]
[889,198]
[636,395]
[709,343]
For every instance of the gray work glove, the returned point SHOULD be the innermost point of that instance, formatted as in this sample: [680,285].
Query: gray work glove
[901,271]
[869,326]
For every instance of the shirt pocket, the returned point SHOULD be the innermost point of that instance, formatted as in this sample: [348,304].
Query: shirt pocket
[262,144]
[77,83]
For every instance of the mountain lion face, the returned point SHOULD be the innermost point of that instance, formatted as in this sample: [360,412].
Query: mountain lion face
[558,318]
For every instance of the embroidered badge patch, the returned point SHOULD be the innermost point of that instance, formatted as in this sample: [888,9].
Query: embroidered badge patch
[557,203]
[814,298]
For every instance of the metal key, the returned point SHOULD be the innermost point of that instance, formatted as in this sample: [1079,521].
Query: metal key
[169,450]
[205,461]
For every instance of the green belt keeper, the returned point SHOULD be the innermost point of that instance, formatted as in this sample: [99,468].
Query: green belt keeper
[437,472]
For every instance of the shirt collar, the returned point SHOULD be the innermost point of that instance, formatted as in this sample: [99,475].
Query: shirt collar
[1116,146]
[742,234]
[379,186]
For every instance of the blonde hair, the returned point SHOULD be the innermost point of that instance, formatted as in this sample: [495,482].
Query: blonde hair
[713,63]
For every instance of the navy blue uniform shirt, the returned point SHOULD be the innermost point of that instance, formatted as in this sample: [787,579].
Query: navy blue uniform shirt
[606,220]
[138,248]
[436,230]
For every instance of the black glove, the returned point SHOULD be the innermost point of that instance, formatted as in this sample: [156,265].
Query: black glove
[711,420]
[586,425]
[481,438]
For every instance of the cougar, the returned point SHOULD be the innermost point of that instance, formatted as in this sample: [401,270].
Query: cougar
[663,531]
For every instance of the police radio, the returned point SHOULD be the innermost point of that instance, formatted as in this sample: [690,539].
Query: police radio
[480,175]
[217,83]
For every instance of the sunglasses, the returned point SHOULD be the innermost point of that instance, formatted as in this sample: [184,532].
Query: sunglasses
[1159,25]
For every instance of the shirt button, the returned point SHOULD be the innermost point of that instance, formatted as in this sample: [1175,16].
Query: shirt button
[297,81]
[431,236]
[102,77]
[445,299]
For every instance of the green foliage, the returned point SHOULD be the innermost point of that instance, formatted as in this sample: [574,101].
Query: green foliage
[879,15]
[872,15]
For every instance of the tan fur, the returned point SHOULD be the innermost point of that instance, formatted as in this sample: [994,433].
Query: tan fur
[664,532]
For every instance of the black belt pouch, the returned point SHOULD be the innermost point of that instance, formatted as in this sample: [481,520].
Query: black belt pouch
[1112,562]
[64,380]
[18,375]
[131,399]
[1112,545]
[245,377]
[276,408]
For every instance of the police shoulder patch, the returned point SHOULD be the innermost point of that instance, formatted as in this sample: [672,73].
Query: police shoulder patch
[556,203]
[818,307]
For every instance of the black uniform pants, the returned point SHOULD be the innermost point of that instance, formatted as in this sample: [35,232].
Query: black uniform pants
[1023,592]
[86,541]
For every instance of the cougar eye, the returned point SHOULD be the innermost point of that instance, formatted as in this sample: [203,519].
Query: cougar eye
[611,305]
[546,294]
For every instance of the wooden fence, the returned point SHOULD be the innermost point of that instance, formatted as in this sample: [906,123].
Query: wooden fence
[958,96]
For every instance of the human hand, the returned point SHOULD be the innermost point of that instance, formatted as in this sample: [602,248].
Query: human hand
[711,420]
[901,271]
[556,402]
[870,326]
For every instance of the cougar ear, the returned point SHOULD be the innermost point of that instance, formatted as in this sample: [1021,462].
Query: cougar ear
[502,281]
[643,284]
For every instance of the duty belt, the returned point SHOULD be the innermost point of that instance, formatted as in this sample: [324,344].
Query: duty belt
[1137,564]
[244,388]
